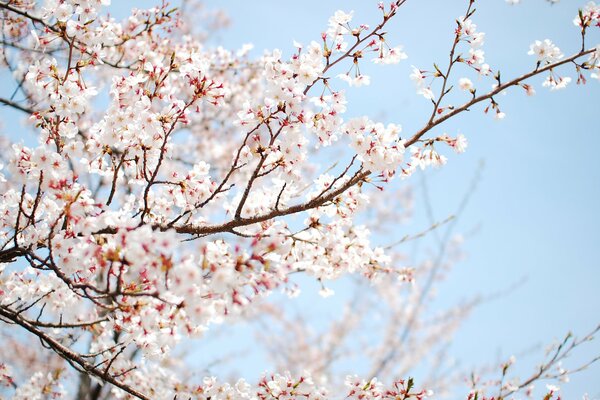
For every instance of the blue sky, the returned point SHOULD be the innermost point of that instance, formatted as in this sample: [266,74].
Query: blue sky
[534,211]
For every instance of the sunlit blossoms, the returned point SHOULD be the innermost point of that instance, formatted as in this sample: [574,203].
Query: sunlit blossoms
[173,188]
[589,16]
[545,51]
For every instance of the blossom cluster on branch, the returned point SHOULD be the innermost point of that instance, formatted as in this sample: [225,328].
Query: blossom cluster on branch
[172,186]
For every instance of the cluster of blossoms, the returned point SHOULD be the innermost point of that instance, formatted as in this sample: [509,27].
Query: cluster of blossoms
[466,31]
[41,384]
[362,389]
[90,183]
[546,53]
[173,209]
[339,31]
[164,385]
[589,16]
[379,147]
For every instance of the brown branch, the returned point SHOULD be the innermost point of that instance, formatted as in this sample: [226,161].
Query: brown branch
[67,325]
[11,254]
[359,41]
[318,201]
[255,173]
[69,355]
[9,7]
[16,106]
[561,352]
[500,88]
[451,64]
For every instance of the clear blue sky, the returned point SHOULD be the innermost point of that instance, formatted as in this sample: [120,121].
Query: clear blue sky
[536,203]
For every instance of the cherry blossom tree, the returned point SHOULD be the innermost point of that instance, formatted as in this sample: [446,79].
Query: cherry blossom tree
[171,187]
